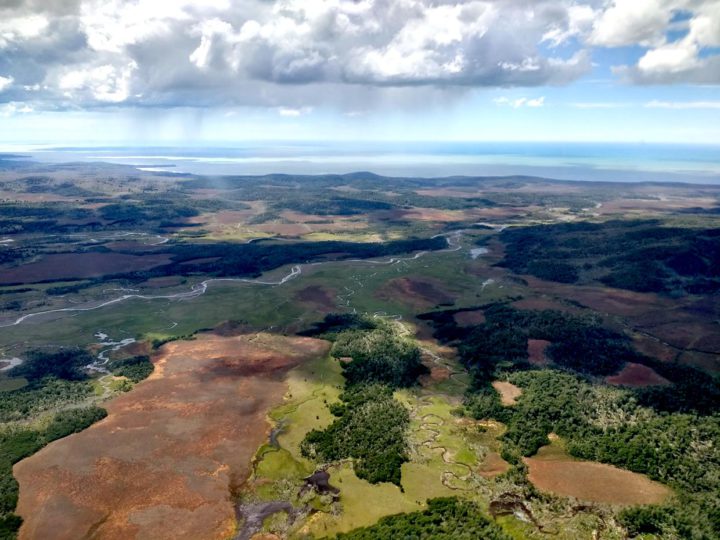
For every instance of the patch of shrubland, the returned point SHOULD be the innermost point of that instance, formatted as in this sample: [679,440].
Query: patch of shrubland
[371,425]
[136,368]
[370,428]
[669,433]
[54,380]
[638,255]
[580,344]
[447,518]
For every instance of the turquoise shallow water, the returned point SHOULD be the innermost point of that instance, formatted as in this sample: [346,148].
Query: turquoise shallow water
[571,161]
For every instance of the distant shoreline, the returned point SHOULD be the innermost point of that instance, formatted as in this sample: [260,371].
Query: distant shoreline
[573,162]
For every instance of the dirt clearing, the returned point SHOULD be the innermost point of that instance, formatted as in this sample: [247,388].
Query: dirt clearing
[164,462]
[509,393]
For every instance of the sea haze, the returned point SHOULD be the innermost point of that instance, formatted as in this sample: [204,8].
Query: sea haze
[567,161]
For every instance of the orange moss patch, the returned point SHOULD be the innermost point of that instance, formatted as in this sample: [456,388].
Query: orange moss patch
[509,393]
[596,482]
[163,464]
[637,375]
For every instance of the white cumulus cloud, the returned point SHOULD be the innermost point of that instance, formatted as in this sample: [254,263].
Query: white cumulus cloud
[681,37]
[345,53]
[520,102]
[5,82]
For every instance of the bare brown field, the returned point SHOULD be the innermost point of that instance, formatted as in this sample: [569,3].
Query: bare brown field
[595,482]
[165,461]
[637,375]
[319,297]
[509,393]
[79,265]
[469,318]
[417,292]
[536,352]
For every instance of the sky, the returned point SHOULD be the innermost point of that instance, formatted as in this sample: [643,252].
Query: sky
[190,72]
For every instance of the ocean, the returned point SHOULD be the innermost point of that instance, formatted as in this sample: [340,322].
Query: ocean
[565,161]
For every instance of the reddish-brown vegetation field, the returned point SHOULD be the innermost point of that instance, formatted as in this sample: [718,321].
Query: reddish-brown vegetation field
[536,352]
[165,461]
[417,292]
[637,375]
[665,324]
[469,318]
[494,465]
[654,348]
[595,482]
[318,297]
[79,265]
[659,205]
[604,299]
